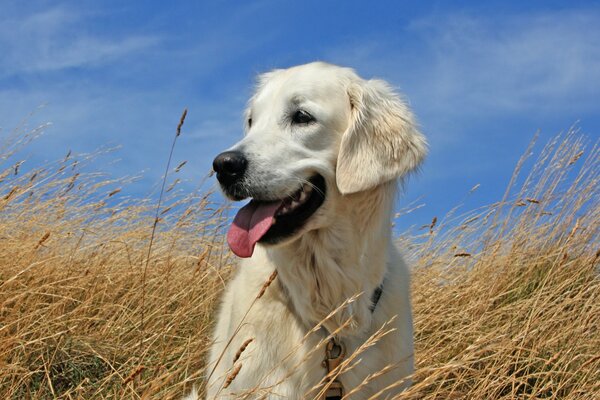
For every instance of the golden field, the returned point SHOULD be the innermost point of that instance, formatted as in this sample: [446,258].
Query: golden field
[506,297]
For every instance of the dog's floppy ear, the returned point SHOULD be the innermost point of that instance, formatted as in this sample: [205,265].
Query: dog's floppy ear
[381,142]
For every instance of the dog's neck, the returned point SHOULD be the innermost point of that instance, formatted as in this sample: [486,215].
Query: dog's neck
[347,259]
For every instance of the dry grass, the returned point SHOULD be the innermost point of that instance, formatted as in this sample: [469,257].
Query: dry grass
[506,299]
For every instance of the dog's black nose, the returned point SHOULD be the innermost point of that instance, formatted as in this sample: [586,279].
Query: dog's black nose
[230,166]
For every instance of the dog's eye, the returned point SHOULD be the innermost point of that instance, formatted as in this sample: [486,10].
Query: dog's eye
[302,117]
[249,122]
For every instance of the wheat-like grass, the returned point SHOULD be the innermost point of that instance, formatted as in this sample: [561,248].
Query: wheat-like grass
[506,298]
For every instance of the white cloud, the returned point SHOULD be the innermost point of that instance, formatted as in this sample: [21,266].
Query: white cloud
[56,39]
[538,62]
[543,62]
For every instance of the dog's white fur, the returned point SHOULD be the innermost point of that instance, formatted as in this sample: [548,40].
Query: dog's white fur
[364,138]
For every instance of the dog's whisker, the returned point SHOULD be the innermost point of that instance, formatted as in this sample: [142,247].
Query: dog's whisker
[303,182]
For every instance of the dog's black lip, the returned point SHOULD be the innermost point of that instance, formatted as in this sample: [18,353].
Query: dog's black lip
[288,224]
[235,192]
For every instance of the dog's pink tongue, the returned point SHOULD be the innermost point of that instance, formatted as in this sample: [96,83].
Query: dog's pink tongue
[249,225]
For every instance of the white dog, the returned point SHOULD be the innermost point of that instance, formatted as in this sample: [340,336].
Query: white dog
[320,160]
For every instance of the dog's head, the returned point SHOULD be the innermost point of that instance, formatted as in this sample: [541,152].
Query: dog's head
[315,133]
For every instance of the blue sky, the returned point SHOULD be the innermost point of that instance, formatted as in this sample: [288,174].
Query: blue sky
[482,78]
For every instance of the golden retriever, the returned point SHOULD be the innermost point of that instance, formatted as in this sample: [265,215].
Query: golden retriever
[321,158]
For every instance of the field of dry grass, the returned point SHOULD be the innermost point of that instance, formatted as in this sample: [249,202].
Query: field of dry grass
[506,298]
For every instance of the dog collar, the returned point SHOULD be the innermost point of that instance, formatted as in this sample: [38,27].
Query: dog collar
[375,297]
[335,351]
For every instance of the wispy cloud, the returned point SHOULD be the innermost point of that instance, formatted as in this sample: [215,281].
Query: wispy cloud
[541,62]
[56,39]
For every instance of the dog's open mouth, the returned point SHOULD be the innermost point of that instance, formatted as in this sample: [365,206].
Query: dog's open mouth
[272,221]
